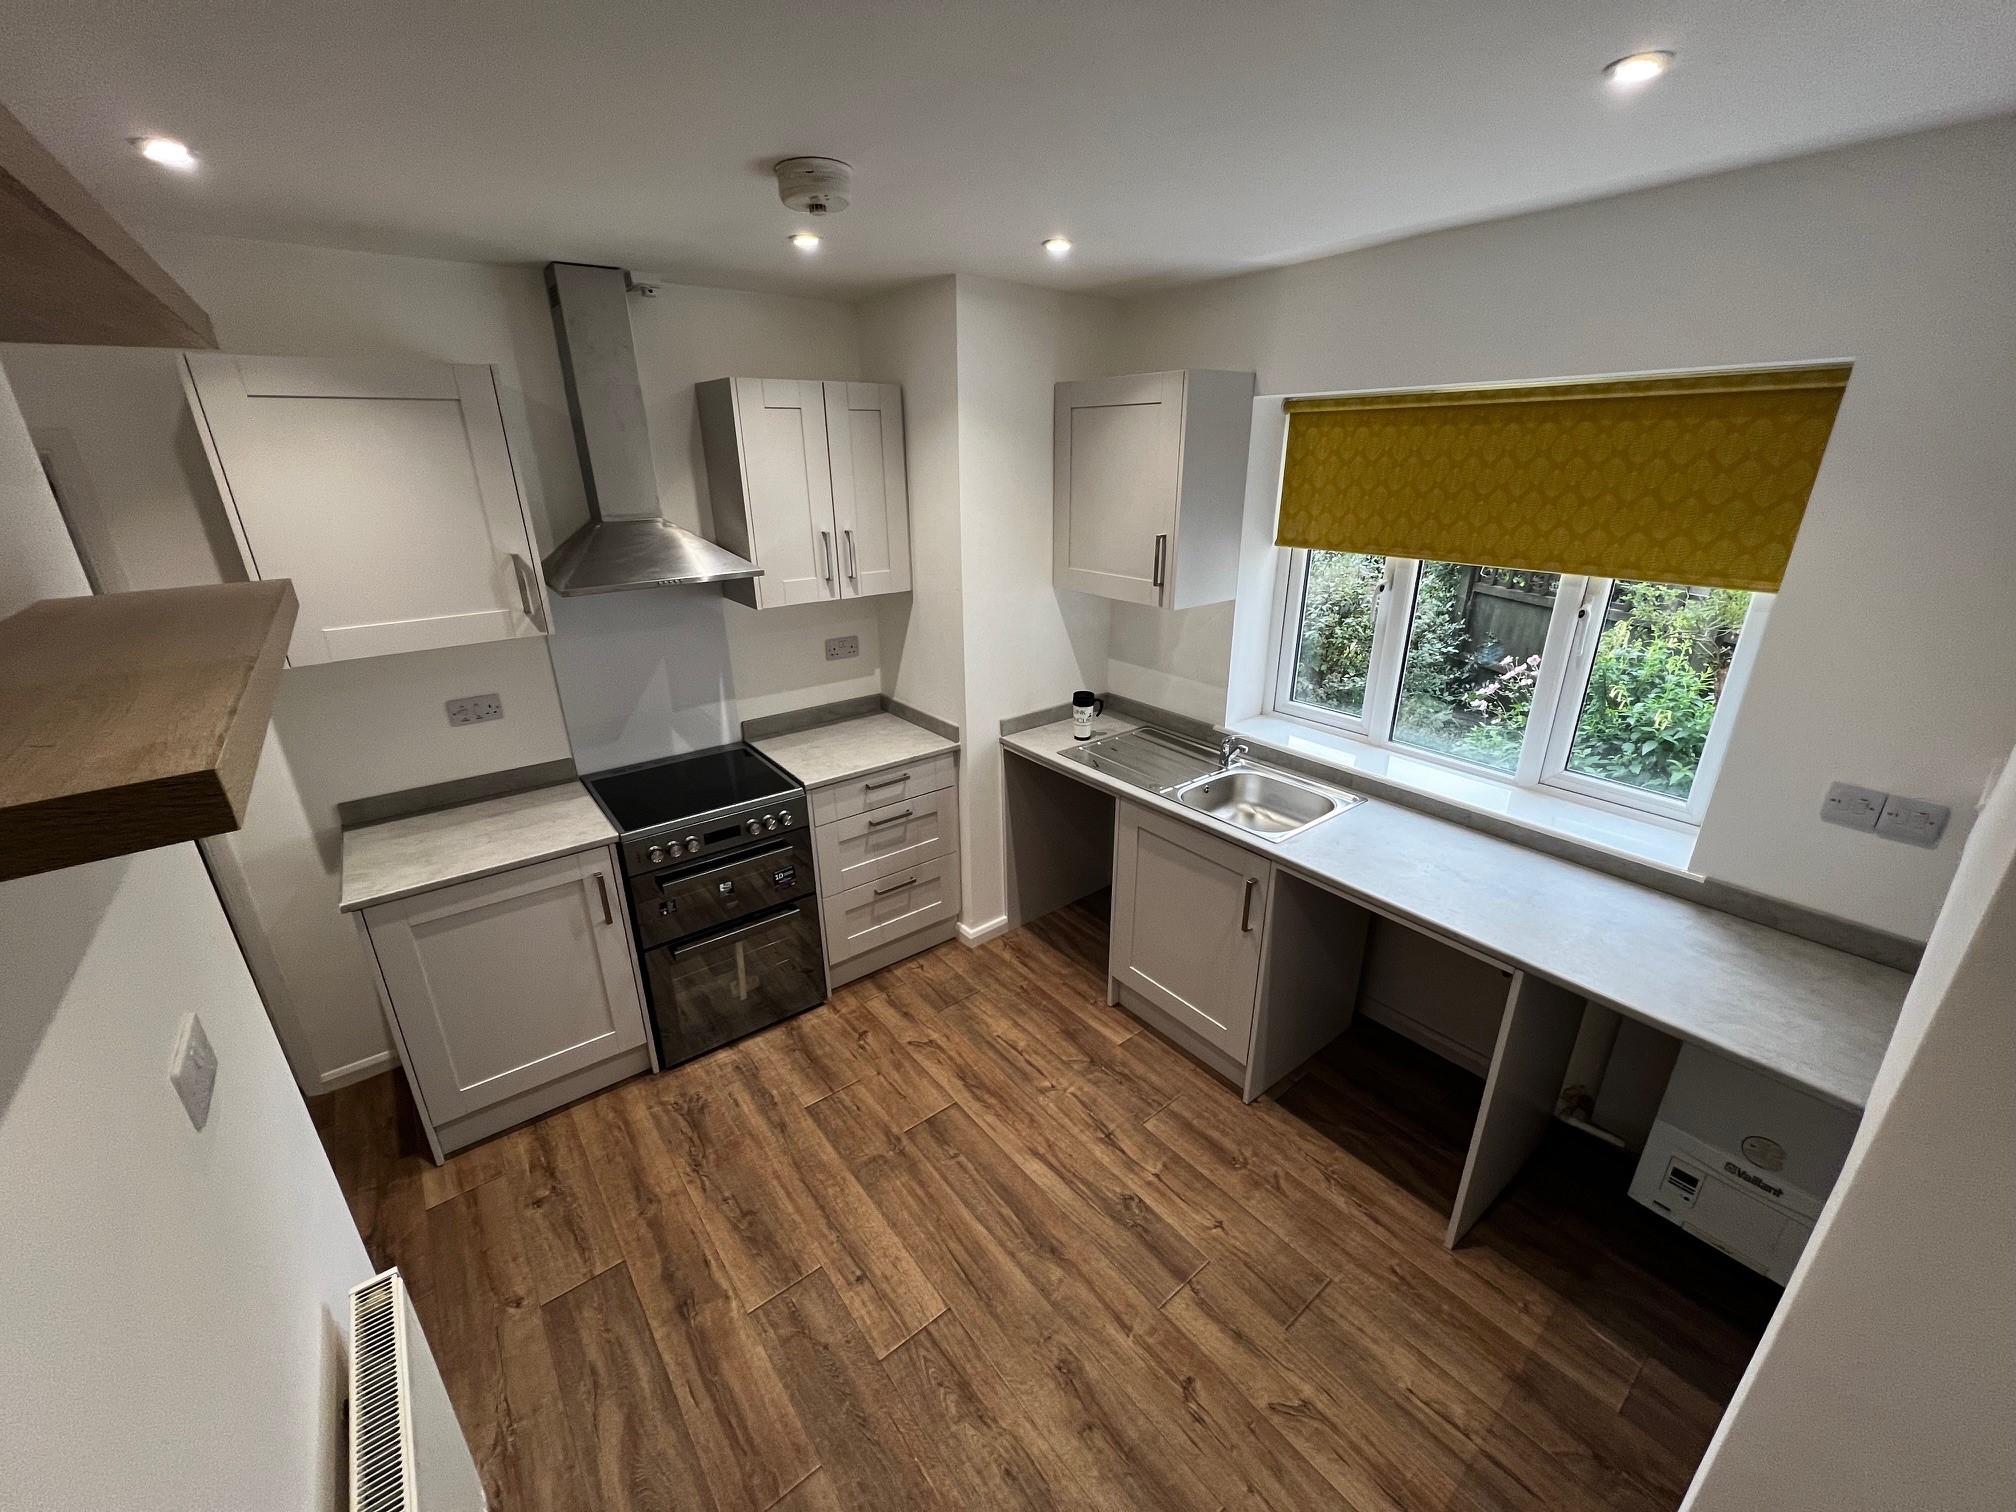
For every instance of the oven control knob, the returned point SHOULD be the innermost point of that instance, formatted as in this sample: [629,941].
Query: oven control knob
[657,854]
[769,821]
[754,826]
[692,845]
[784,817]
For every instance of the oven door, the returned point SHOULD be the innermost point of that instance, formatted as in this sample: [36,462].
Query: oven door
[735,981]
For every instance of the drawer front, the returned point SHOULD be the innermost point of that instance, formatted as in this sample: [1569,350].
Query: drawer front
[887,909]
[843,800]
[887,840]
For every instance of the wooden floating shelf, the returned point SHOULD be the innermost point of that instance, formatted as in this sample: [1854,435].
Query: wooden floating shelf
[134,720]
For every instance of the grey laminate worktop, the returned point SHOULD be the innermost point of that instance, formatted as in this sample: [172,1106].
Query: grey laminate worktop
[851,748]
[402,857]
[1816,1017]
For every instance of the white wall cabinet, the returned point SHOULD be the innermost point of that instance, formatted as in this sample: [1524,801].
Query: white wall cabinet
[511,994]
[384,490]
[1189,910]
[808,482]
[1150,486]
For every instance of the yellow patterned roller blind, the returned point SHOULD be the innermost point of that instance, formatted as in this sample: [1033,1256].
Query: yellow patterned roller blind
[1697,478]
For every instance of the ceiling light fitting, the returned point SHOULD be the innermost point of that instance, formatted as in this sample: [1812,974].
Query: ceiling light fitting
[1638,68]
[1057,246]
[814,185]
[166,151]
[804,241]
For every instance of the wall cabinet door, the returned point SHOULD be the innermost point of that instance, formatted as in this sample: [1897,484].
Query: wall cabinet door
[504,984]
[384,490]
[871,497]
[1188,910]
[772,487]
[1150,484]
[808,482]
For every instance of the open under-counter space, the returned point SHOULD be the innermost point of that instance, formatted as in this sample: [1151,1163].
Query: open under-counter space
[1255,956]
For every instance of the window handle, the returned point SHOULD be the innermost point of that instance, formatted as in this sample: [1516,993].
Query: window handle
[602,891]
[892,819]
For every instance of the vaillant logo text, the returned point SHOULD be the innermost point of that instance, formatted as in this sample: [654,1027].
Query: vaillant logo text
[1756,1181]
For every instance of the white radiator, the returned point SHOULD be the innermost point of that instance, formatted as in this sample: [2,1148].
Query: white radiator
[407,1453]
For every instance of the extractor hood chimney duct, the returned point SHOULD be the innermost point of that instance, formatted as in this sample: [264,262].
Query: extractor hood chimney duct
[627,542]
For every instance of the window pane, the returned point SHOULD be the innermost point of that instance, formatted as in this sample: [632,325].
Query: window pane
[1473,656]
[1333,649]
[1658,671]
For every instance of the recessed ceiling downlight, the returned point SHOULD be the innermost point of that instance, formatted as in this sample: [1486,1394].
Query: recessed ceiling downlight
[804,241]
[1057,246]
[166,151]
[1638,68]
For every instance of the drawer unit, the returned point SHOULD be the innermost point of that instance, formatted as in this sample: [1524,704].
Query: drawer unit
[843,800]
[883,841]
[876,913]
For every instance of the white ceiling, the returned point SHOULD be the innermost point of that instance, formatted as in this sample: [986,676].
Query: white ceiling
[1170,141]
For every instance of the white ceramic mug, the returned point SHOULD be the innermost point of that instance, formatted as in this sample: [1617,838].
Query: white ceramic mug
[1084,709]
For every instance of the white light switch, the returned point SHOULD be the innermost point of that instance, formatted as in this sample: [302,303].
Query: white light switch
[1912,820]
[193,1072]
[1855,807]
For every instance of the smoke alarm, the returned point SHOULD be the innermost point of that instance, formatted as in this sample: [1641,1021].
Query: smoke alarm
[815,185]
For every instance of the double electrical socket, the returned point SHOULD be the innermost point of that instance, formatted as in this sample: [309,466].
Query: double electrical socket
[843,647]
[1911,820]
[475,709]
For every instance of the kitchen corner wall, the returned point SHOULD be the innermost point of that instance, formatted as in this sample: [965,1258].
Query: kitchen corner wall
[642,670]
[985,635]
[1886,662]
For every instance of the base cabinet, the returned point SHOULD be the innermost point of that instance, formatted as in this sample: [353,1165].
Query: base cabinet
[1188,915]
[887,849]
[510,994]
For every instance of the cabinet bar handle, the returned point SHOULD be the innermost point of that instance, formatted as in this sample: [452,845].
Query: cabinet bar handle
[602,889]
[1246,906]
[853,568]
[1161,557]
[892,819]
[869,787]
[528,592]
[883,892]
[826,556]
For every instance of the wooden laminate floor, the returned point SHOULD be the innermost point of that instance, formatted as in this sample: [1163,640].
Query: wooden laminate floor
[968,1237]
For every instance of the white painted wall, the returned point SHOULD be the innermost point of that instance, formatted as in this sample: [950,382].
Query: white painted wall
[645,672]
[175,1298]
[1888,1374]
[1028,644]
[910,336]
[1886,662]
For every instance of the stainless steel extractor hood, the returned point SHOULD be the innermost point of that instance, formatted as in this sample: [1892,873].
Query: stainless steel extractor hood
[626,543]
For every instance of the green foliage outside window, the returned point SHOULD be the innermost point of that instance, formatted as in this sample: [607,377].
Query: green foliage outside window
[1651,695]
[1652,692]
[1339,606]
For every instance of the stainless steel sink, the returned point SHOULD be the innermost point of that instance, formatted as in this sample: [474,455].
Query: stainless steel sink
[1261,803]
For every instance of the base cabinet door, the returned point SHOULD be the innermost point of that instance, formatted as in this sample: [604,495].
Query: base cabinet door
[1188,910]
[502,985]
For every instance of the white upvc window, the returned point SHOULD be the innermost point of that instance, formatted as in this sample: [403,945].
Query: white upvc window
[1619,692]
